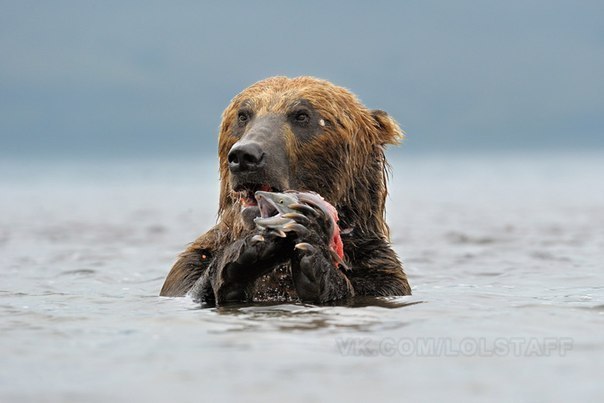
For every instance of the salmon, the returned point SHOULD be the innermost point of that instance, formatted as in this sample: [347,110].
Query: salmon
[283,212]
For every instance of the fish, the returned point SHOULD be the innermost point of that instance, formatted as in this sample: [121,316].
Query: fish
[287,211]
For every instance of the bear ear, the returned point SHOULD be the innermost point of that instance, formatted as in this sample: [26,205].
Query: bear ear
[390,132]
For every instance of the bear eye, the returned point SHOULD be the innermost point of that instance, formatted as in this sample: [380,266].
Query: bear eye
[301,117]
[242,117]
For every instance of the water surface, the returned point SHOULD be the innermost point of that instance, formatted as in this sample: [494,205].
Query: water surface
[504,254]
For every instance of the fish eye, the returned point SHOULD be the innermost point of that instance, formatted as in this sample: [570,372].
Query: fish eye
[281,201]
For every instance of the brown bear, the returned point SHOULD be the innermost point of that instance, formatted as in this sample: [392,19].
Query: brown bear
[304,134]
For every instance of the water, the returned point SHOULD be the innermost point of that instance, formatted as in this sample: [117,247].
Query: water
[504,254]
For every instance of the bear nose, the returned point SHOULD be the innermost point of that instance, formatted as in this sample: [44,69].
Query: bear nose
[245,157]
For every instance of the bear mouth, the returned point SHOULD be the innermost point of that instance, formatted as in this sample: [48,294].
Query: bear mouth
[246,193]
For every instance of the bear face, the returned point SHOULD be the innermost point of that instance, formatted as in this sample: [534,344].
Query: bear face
[306,134]
[302,134]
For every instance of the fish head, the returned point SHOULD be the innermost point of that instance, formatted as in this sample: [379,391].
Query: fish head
[273,203]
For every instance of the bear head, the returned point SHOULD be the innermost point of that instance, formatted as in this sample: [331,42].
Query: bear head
[304,134]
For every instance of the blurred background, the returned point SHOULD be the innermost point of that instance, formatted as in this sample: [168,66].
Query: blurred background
[82,79]
[109,115]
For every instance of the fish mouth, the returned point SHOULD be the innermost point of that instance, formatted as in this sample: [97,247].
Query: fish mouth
[267,206]
[246,193]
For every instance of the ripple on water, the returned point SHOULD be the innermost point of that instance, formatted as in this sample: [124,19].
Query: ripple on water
[79,311]
[363,315]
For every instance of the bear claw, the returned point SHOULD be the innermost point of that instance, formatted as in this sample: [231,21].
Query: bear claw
[257,238]
[297,217]
[304,208]
[295,227]
[279,233]
[304,246]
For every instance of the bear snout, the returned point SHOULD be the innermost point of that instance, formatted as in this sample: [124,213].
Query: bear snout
[260,156]
[246,157]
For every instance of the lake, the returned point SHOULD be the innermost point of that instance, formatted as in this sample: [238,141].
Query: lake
[504,252]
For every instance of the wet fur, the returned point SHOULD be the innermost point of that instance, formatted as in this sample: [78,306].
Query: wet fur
[356,186]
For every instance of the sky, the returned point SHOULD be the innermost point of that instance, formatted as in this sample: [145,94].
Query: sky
[82,79]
